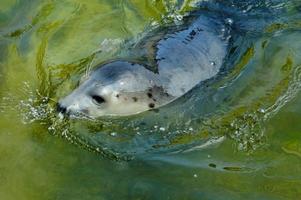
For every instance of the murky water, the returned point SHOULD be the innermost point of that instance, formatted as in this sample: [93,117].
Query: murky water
[236,136]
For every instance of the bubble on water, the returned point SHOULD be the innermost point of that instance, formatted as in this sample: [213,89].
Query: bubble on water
[162,129]
[113,134]
[65,133]
[229,21]
[33,110]
[178,17]
[248,132]
[61,116]
[154,23]
[173,17]
[51,128]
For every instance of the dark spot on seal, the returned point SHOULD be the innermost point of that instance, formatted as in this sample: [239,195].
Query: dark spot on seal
[192,33]
[150,95]
[151,105]
[135,99]
[117,95]
[187,39]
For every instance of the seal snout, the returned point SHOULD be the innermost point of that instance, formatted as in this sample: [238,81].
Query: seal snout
[61,109]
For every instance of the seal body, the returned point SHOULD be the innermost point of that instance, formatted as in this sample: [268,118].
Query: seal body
[183,58]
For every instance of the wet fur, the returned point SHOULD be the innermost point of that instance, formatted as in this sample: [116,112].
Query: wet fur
[175,63]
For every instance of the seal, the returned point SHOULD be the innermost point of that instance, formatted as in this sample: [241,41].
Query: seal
[183,57]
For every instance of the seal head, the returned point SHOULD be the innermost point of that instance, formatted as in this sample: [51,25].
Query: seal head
[116,88]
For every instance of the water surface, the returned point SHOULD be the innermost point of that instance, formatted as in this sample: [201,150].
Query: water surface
[236,136]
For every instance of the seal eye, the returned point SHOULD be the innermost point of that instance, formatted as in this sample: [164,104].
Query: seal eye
[98,99]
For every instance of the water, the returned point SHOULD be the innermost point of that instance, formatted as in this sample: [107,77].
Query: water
[237,136]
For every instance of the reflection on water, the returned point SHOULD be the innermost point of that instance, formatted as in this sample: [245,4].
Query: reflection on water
[234,136]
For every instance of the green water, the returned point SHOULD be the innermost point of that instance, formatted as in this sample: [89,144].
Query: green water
[45,47]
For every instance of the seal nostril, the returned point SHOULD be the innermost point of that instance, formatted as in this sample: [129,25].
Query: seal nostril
[61,108]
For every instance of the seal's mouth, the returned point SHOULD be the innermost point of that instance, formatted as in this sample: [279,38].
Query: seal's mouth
[64,112]
[61,109]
